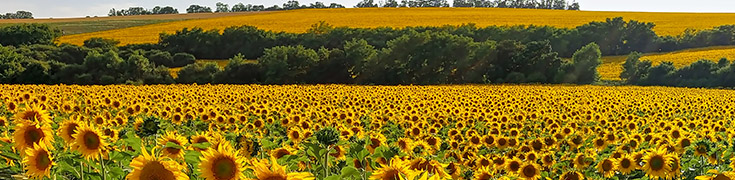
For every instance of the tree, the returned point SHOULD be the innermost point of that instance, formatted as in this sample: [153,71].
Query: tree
[291,4]
[198,73]
[222,7]
[634,70]
[239,7]
[168,10]
[366,3]
[585,62]
[198,9]
[182,59]
[286,64]
[335,5]
[27,34]
[239,71]
[391,3]
[317,5]
[101,43]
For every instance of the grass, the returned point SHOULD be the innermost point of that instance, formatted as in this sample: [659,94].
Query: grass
[301,20]
[612,65]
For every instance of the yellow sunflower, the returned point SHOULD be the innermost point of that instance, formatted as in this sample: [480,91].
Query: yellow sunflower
[172,152]
[571,175]
[28,134]
[484,173]
[68,129]
[625,164]
[657,163]
[89,142]
[199,138]
[273,171]
[149,167]
[397,170]
[33,114]
[38,161]
[222,163]
[529,171]
[606,167]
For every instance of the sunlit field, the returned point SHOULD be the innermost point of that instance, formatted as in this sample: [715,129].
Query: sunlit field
[300,20]
[361,132]
[612,65]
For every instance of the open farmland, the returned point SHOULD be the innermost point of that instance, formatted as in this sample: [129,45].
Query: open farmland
[71,26]
[611,67]
[300,20]
[372,131]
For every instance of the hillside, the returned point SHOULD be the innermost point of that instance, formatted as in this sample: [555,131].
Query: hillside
[94,24]
[612,65]
[301,20]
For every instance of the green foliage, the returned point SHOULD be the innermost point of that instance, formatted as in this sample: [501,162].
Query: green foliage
[239,71]
[584,65]
[101,43]
[287,64]
[27,34]
[198,73]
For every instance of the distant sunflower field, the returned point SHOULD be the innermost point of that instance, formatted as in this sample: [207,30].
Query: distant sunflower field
[227,132]
[612,65]
[299,21]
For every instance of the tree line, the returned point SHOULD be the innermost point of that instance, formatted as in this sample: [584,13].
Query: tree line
[17,15]
[614,36]
[702,73]
[526,4]
[133,11]
[428,57]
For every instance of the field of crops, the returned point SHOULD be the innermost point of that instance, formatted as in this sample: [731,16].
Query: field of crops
[301,20]
[612,65]
[365,132]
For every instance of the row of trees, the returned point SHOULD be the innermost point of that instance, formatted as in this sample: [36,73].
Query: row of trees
[428,57]
[133,11]
[702,73]
[615,36]
[529,4]
[17,15]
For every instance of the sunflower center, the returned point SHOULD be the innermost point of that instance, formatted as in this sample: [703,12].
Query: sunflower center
[607,165]
[33,135]
[514,166]
[374,143]
[224,168]
[42,160]
[391,174]
[154,170]
[570,176]
[71,128]
[91,140]
[484,176]
[657,162]
[721,177]
[625,163]
[529,171]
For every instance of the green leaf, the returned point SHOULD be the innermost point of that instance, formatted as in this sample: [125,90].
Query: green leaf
[203,145]
[348,172]
[173,145]
[333,177]
[267,144]
[133,141]
[117,173]
[192,157]
[10,155]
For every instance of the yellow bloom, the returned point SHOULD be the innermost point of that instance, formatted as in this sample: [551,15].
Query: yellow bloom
[221,163]
[149,167]
[273,171]
[38,161]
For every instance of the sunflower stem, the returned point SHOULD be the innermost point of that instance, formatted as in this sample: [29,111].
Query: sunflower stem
[81,168]
[102,164]
[326,162]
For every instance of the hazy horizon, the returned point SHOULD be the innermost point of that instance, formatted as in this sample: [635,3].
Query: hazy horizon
[82,8]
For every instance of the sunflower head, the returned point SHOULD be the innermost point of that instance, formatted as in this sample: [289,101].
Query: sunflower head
[178,141]
[657,163]
[33,114]
[27,134]
[89,141]
[38,161]
[147,166]
[222,163]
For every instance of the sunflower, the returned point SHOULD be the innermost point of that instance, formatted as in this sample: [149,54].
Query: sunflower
[606,167]
[530,171]
[282,151]
[89,142]
[397,170]
[547,160]
[262,171]
[716,175]
[376,141]
[199,138]
[223,163]
[28,134]
[581,161]
[514,165]
[172,152]
[657,163]
[432,167]
[339,152]
[404,144]
[33,114]
[38,161]
[625,164]
[571,175]
[484,173]
[295,135]
[68,128]
[149,167]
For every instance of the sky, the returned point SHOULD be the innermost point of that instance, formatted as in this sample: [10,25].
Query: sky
[82,8]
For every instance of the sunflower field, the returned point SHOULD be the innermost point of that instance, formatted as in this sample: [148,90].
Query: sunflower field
[226,132]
